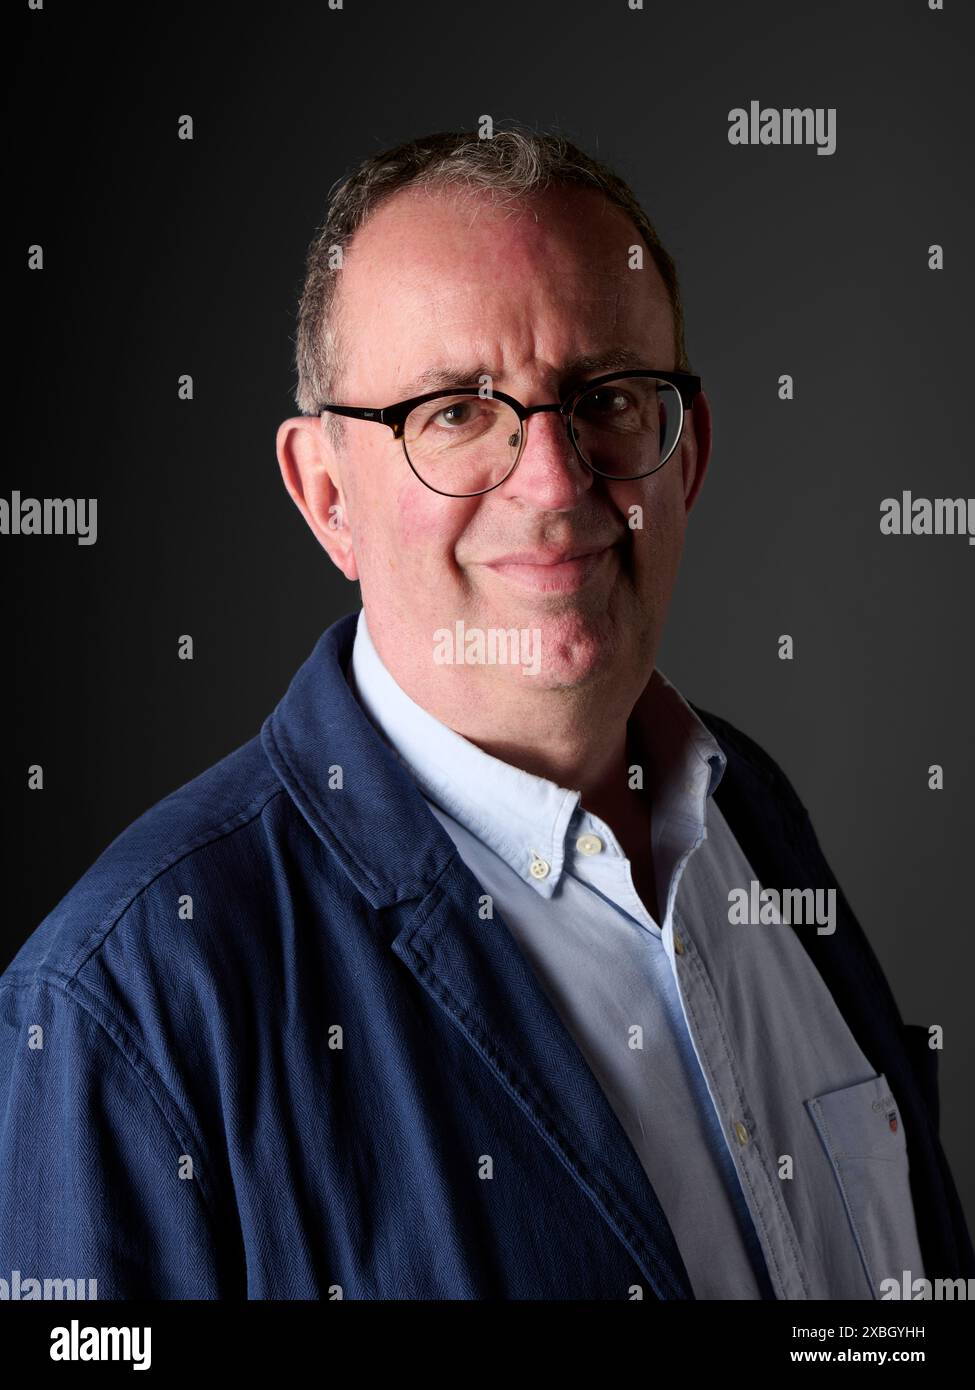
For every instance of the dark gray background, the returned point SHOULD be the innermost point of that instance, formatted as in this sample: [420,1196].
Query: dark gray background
[164,257]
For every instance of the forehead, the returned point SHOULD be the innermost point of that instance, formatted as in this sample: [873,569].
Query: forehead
[447,270]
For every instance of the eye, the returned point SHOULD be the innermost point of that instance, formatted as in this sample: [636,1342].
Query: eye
[469,416]
[607,400]
[456,413]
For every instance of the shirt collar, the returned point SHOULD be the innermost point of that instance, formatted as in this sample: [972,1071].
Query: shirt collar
[678,744]
[518,815]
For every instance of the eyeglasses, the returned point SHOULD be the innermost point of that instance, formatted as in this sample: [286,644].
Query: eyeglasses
[467,440]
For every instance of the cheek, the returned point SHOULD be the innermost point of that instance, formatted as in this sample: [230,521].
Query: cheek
[424,527]
[394,527]
[666,513]
[415,519]
[653,509]
[655,561]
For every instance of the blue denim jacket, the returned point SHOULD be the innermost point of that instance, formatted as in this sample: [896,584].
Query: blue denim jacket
[261,1050]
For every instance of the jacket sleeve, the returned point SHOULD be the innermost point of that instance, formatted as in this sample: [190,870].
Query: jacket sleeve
[96,1180]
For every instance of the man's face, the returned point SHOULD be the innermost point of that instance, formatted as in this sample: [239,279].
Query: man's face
[431,281]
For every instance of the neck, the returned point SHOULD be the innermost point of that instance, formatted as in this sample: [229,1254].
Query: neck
[575,736]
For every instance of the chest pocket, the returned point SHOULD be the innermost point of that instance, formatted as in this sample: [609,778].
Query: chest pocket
[863,1134]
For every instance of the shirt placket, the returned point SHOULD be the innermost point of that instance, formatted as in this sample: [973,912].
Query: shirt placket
[598,861]
[746,1142]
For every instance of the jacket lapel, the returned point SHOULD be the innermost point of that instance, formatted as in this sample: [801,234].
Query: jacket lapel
[475,971]
[471,969]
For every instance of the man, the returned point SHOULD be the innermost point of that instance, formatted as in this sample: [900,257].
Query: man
[434,989]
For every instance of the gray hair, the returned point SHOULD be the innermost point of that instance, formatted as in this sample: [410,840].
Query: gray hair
[512,165]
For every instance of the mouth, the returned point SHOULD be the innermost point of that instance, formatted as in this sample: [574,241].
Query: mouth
[552,571]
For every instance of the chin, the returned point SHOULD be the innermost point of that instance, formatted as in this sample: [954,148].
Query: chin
[574,651]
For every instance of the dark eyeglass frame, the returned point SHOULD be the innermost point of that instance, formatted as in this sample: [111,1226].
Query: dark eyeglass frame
[394,416]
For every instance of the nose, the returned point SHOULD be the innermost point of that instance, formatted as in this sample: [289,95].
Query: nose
[549,473]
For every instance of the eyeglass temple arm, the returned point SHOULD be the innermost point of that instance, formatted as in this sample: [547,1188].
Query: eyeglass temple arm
[355,412]
[363,412]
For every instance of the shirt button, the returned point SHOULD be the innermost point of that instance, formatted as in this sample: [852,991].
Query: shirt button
[678,945]
[539,869]
[741,1133]
[589,844]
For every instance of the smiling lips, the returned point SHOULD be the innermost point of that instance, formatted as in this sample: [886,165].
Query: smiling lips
[551,570]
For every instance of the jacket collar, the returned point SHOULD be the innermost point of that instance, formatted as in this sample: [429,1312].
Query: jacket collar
[347,781]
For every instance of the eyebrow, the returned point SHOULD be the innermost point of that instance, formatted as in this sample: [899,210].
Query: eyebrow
[573,373]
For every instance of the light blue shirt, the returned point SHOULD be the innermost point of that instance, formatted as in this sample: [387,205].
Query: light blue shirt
[758,1120]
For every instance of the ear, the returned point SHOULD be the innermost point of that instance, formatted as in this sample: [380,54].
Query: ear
[695,448]
[312,474]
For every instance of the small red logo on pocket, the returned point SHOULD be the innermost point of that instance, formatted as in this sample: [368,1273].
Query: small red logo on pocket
[892,1120]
